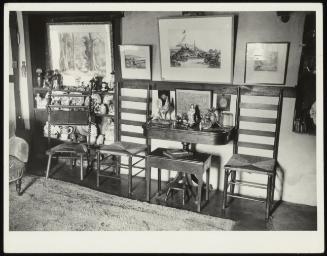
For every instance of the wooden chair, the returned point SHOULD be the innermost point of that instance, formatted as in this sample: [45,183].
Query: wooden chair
[239,163]
[69,150]
[128,149]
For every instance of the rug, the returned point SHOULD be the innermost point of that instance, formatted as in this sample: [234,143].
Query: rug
[53,205]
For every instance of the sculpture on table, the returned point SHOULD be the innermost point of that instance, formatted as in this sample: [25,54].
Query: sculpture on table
[165,106]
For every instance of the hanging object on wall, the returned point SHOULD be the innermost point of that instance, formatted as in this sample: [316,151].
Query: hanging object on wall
[304,114]
[284,16]
[23,69]
[193,54]
[266,63]
[135,61]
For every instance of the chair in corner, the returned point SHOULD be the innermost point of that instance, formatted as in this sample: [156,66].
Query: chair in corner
[18,158]
[75,115]
[251,163]
[110,155]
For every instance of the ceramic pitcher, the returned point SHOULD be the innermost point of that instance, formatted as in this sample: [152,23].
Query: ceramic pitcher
[65,132]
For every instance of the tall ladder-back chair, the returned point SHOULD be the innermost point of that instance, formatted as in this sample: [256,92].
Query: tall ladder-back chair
[125,148]
[252,163]
[72,116]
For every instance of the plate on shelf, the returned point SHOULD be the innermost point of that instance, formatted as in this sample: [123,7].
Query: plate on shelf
[77,101]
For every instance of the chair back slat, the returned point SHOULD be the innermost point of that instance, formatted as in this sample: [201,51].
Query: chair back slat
[133,99]
[257,119]
[255,145]
[259,106]
[257,132]
[132,110]
[265,133]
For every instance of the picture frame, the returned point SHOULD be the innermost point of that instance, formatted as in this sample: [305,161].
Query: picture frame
[266,62]
[81,51]
[193,50]
[184,99]
[135,61]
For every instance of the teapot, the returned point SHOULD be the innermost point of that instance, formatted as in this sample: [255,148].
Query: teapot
[65,132]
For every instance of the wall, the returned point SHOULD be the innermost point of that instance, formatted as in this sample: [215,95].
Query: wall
[297,155]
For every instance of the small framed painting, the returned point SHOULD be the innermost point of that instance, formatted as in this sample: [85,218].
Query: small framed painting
[266,63]
[197,49]
[201,100]
[135,61]
[80,51]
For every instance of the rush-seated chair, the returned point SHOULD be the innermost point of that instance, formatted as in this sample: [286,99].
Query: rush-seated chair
[251,163]
[111,155]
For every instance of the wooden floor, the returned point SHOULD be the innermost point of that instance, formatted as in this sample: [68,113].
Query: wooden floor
[248,214]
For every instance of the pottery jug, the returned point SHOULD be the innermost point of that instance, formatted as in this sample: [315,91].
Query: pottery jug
[65,132]
[103,109]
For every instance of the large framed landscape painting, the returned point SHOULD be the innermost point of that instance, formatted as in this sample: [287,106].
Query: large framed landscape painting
[135,61]
[197,49]
[266,63]
[80,51]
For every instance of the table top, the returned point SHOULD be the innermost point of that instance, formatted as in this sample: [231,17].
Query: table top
[213,136]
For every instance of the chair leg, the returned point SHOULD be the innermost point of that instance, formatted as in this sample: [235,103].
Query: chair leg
[48,166]
[18,186]
[233,178]
[159,181]
[129,175]
[81,167]
[272,191]
[98,168]
[268,197]
[225,189]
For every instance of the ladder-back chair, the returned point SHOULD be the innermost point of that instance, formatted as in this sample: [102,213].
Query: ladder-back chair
[252,163]
[125,148]
[73,115]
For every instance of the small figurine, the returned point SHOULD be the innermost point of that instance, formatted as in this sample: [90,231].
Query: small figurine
[191,115]
[39,78]
[104,86]
[38,100]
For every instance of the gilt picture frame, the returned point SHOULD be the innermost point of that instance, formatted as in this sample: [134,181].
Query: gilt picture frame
[135,61]
[80,51]
[193,50]
[266,63]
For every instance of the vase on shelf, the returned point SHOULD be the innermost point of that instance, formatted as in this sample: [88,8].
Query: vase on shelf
[39,77]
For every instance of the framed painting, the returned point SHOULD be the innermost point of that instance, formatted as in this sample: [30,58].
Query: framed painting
[202,100]
[135,61]
[266,63]
[197,49]
[80,51]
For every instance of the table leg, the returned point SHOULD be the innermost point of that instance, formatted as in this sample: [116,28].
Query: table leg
[129,175]
[200,179]
[148,180]
[98,168]
[207,183]
[48,166]
[159,181]
[81,167]
[225,189]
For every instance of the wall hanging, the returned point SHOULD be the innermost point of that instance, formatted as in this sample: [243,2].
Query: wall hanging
[135,61]
[201,101]
[266,63]
[80,51]
[197,49]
